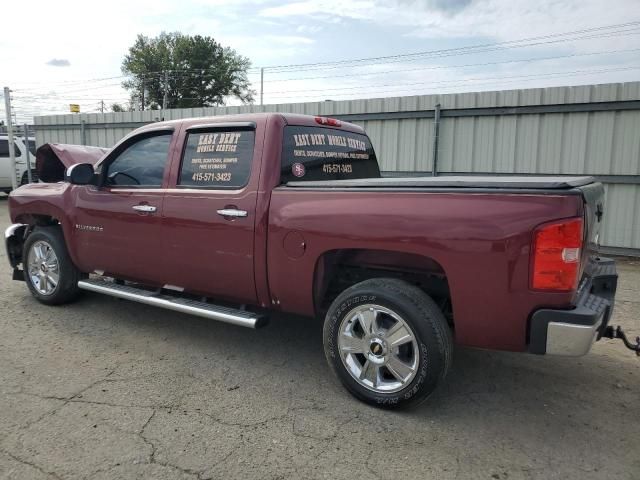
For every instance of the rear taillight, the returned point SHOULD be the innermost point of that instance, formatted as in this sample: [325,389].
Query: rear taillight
[332,122]
[556,255]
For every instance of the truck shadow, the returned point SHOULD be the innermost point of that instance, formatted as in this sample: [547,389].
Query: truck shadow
[480,384]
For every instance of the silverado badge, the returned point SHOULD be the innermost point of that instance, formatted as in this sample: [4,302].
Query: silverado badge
[89,228]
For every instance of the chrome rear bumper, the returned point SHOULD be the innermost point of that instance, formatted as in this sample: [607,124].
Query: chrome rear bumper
[572,332]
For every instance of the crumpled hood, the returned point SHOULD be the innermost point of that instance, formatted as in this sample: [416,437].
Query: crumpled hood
[52,159]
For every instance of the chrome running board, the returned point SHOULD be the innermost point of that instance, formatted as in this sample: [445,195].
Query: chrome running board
[184,305]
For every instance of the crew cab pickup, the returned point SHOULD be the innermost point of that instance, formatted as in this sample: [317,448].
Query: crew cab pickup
[234,217]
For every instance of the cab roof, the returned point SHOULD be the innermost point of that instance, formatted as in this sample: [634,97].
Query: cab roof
[257,118]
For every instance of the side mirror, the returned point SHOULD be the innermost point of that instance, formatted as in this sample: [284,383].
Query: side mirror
[79,174]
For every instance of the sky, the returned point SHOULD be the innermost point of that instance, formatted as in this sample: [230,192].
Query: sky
[59,52]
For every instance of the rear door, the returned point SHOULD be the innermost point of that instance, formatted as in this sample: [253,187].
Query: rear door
[209,214]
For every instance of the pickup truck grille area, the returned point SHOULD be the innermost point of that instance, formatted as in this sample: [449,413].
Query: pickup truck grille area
[242,318]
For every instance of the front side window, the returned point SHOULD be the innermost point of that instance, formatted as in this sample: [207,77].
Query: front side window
[141,164]
[217,159]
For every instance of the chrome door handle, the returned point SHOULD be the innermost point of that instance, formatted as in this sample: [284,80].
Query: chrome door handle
[144,208]
[232,212]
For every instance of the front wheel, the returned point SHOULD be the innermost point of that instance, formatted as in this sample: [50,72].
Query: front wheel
[50,275]
[388,342]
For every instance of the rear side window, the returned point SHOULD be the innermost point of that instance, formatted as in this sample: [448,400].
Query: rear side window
[315,153]
[217,159]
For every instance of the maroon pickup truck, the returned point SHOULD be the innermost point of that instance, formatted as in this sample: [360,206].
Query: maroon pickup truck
[231,218]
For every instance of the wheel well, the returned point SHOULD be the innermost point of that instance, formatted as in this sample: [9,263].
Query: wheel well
[37,220]
[15,243]
[338,270]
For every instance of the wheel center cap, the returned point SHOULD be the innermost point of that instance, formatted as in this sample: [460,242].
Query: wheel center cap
[43,267]
[377,347]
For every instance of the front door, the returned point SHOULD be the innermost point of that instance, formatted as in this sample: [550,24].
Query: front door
[118,224]
[209,215]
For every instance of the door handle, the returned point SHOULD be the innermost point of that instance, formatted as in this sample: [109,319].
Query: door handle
[232,212]
[144,208]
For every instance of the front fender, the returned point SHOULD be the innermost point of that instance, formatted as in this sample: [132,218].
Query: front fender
[51,203]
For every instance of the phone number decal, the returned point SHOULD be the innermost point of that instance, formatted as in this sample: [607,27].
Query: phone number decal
[211,177]
[337,168]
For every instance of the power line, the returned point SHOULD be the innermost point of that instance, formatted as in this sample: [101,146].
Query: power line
[70,89]
[148,75]
[176,74]
[453,84]
[488,50]
[627,28]
[440,67]
[531,41]
[395,85]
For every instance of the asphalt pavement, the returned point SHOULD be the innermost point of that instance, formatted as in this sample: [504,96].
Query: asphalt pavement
[109,389]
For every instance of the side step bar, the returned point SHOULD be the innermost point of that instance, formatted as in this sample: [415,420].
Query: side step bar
[184,305]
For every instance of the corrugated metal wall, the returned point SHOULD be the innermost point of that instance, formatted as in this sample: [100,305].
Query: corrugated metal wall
[592,129]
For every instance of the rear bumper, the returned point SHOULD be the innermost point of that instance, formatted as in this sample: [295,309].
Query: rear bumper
[572,332]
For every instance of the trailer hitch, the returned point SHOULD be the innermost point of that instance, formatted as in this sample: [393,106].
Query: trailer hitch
[611,332]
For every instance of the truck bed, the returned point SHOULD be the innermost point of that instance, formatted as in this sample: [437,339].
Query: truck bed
[471,182]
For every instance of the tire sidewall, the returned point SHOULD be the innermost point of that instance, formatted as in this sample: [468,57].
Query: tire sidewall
[432,363]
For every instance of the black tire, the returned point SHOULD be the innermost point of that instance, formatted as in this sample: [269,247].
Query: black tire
[66,289]
[427,323]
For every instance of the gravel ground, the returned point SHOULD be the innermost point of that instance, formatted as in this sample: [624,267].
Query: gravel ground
[105,388]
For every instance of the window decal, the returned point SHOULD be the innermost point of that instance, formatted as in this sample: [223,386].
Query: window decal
[218,159]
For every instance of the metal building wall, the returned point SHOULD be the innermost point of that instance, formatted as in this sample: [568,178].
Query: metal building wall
[591,129]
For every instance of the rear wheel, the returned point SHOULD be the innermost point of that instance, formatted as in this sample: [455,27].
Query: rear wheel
[387,342]
[50,275]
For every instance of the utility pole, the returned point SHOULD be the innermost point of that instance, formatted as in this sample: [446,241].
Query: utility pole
[101,106]
[28,153]
[142,95]
[166,90]
[12,153]
[436,135]
[261,85]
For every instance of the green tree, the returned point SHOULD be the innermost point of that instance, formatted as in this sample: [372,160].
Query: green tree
[117,107]
[196,71]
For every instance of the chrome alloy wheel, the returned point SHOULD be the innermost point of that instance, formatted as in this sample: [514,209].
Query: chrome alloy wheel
[43,267]
[378,348]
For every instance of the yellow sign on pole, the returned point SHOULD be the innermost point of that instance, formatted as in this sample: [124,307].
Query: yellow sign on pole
[74,108]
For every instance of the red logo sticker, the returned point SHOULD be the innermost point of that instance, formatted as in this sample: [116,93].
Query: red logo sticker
[298,170]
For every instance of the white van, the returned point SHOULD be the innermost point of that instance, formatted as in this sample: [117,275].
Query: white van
[21,161]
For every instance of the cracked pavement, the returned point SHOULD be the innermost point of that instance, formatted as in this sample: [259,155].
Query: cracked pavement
[109,389]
